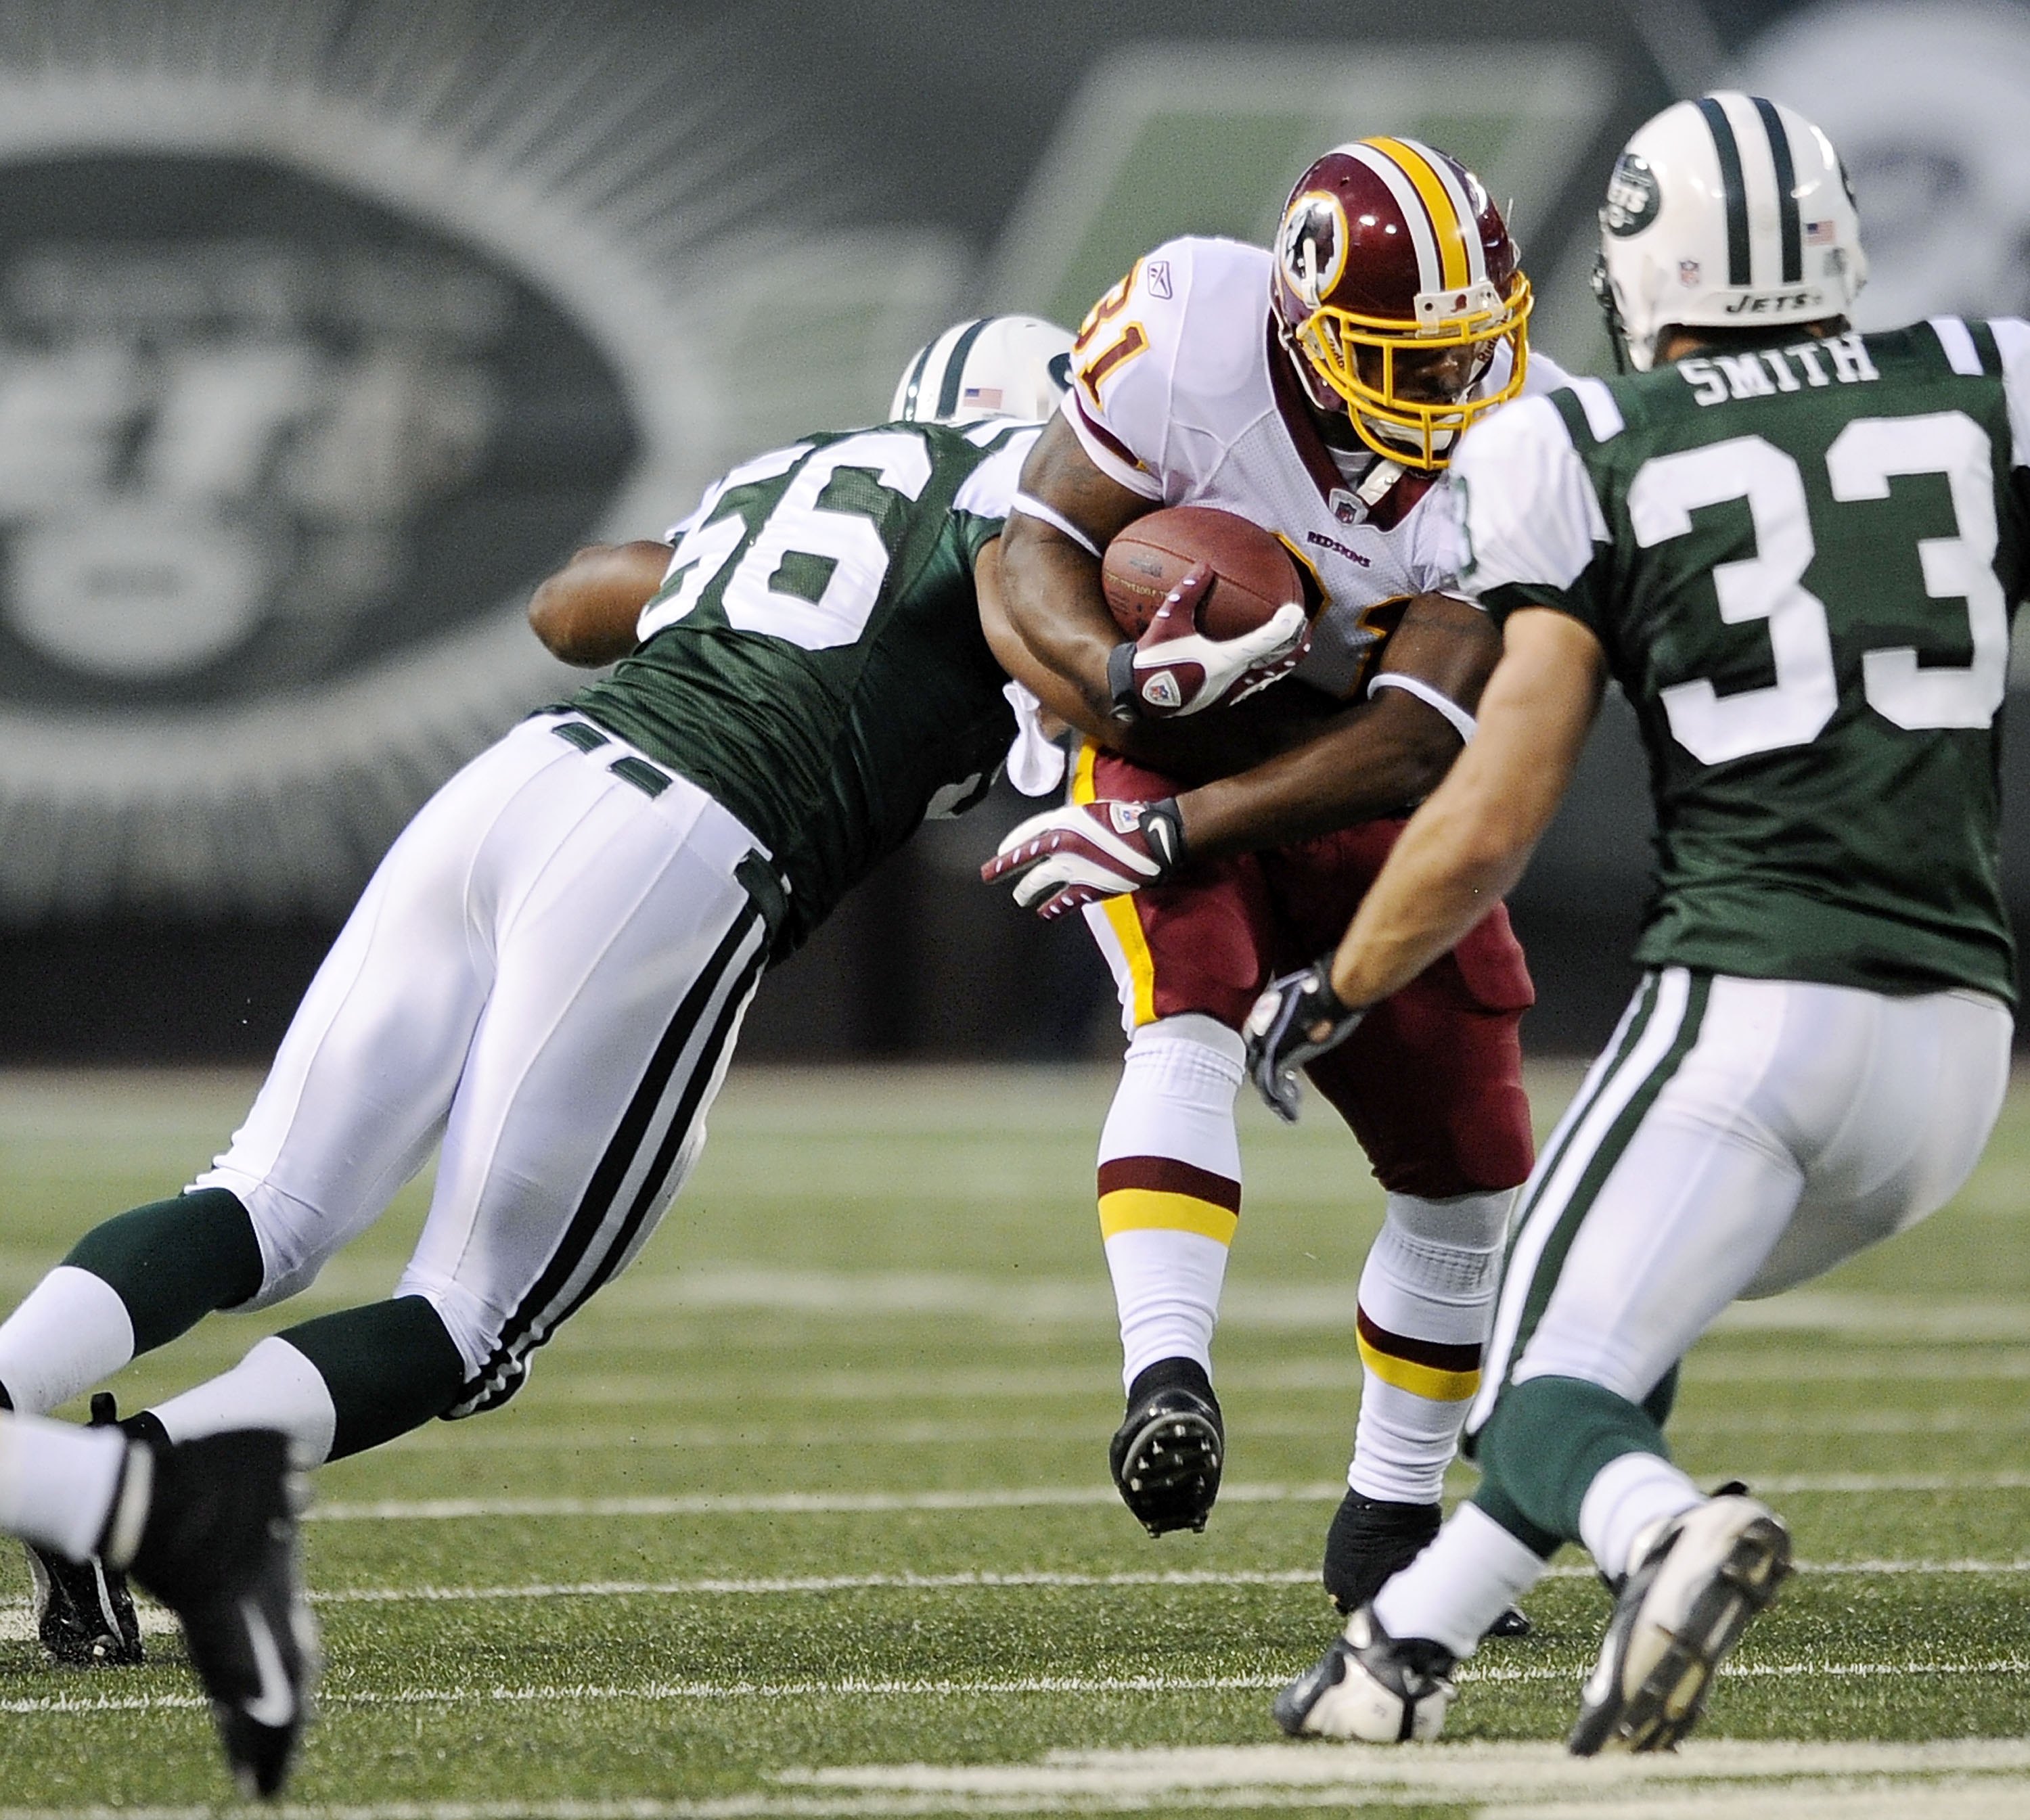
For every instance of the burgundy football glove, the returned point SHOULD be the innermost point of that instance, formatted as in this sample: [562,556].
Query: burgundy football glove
[1085,851]
[1174,669]
[1296,1020]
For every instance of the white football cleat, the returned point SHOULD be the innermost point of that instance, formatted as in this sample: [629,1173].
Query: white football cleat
[1370,1686]
[1682,1610]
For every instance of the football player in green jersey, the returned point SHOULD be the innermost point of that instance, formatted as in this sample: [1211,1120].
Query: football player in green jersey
[545,976]
[1798,550]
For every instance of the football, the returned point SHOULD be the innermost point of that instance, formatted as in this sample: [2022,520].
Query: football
[1253,573]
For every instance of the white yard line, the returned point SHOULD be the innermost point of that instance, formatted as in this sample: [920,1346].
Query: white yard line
[851,1503]
[804,1584]
[1459,1770]
[17,1624]
[1002,1298]
[654,1693]
[543,1433]
[1979,1779]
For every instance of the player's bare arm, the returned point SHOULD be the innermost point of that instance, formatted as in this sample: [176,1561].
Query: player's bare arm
[1373,759]
[1466,848]
[1047,619]
[586,612]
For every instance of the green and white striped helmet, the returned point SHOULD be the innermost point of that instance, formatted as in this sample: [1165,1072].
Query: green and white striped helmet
[1727,212]
[987,367]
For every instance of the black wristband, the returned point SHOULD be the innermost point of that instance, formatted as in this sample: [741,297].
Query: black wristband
[1327,1001]
[1163,828]
[1120,681]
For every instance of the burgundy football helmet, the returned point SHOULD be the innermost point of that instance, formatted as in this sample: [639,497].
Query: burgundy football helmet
[1395,283]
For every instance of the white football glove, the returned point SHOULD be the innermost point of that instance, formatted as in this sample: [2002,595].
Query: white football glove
[1295,1020]
[1174,669]
[1074,855]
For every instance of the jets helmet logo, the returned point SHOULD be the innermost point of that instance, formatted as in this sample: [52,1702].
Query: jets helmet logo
[1632,197]
[298,414]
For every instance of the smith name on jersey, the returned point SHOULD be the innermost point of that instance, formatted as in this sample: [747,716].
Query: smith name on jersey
[1802,557]
[1182,392]
[814,660]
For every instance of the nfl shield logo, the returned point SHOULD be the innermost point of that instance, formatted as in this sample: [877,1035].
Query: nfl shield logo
[1688,273]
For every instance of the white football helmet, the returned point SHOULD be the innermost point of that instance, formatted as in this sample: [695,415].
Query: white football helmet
[989,366]
[1727,212]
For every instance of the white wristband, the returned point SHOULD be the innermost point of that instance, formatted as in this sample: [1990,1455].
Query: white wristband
[1035,508]
[1463,722]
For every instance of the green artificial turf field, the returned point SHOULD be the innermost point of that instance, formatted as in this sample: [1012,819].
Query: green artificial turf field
[808,1515]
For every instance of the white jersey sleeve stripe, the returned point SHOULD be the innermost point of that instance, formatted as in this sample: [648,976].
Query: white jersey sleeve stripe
[1957,340]
[1529,512]
[1603,415]
[2012,336]
[990,489]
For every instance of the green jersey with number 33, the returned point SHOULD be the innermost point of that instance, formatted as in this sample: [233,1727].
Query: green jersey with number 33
[815,661]
[1802,557]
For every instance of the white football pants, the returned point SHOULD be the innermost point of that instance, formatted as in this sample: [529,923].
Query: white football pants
[547,972]
[1736,1137]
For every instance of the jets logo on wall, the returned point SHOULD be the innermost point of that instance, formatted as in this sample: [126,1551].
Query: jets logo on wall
[299,397]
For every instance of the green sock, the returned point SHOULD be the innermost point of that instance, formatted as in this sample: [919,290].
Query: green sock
[390,1366]
[1660,1402]
[1542,1448]
[173,1262]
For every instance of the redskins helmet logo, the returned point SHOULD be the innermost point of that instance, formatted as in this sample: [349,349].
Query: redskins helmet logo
[1311,246]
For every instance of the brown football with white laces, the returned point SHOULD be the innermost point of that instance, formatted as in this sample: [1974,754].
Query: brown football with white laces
[1253,573]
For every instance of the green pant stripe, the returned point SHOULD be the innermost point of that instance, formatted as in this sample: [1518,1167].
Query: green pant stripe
[1629,1034]
[1614,1142]
[1635,1026]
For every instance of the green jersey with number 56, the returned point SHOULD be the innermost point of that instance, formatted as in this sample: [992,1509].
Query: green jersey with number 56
[1802,557]
[815,660]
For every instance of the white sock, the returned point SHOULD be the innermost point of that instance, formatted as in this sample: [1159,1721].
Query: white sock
[57,1482]
[72,1332]
[274,1387]
[1626,1496]
[1427,1294]
[1451,1593]
[1169,1164]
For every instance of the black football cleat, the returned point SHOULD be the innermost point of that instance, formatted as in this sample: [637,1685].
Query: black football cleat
[84,1614]
[1682,1608]
[1167,1454]
[1371,1539]
[219,1549]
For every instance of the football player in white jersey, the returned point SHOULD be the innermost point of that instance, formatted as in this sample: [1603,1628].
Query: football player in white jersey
[1315,388]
